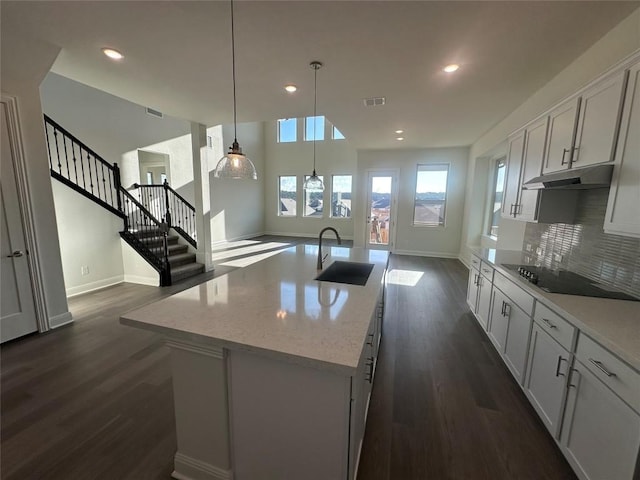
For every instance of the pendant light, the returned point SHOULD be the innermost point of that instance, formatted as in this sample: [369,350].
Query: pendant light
[235,164]
[313,183]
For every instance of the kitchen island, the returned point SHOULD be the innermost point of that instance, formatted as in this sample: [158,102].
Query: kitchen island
[272,370]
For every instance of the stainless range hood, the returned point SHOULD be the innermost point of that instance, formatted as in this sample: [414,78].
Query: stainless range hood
[597,176]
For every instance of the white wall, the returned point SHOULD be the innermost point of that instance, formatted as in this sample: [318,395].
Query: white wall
[431,241]
[333,157]
[237,206]
[616,45]
[115,129]
[25,62]
[89,238]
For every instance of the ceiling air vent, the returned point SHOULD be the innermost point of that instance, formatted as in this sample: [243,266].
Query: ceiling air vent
[374,101]
[154,113]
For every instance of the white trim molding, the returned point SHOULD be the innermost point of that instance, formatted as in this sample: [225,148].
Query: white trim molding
[26,208]
[426,254]
[187,468]
[92,286]
[152,281]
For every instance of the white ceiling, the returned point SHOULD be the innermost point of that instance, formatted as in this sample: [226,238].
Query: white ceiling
[178,58]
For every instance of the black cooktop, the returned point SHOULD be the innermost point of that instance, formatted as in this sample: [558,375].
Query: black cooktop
[566,282]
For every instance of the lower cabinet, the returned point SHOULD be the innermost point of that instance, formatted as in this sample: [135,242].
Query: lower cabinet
[601,433]
[546,378]
[509,331]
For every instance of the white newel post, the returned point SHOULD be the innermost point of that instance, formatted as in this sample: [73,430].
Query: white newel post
[202,196]
[201,410]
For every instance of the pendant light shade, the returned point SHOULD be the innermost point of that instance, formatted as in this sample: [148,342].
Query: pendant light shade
[235,164]
[313,183]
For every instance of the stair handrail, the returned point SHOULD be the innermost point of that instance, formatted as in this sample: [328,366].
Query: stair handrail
[108,197]
[161,263]
[178,212]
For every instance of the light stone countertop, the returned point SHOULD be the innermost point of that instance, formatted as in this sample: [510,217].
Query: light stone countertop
[275,307]
[615,324]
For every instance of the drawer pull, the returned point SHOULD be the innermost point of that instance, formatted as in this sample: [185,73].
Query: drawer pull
[486,270]
[551,325]
[601,367]
[475,279]
[558,372]
[507,310]
[572,371]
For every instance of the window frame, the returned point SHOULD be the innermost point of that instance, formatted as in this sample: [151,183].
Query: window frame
[431,167]
[280,214]
[491,197]
[278,130]
[332,192]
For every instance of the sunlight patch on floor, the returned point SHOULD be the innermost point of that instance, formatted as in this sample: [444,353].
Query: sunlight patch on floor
[406,278]
[250,249]
[249,260]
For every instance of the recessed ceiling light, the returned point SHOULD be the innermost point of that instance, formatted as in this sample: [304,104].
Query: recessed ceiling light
[451,68]
[290,88]
[399,131]
[111,53]
[400,138]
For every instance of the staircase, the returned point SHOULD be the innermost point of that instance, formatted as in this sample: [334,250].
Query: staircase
[155,217]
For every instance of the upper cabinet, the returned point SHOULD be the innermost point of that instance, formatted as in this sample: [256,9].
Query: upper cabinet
[512,181]
[562,126]
[535,137]
[582,131]
[623,213]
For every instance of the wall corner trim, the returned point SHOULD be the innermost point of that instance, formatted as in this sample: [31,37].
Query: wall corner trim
[60,320]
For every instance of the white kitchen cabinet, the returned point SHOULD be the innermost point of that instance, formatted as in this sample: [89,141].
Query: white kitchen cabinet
[562,121]
[499,320]
[623,213]
[535,140]
[479,290]
[598,121]
[600,433]
[517,343]
[546,378]
[512,180]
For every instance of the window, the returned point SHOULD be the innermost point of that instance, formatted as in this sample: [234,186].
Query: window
[336,134]
[495,199]
[313,200]
[314,128]
[431,195]
[341,196]
[287,196]
[287,130]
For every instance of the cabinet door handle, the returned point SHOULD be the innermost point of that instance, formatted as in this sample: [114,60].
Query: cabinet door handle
[370,373]
[551,325]
[573,371]
[574,158]
[17,253]
[507,309]
[370,342]
[511,209]
[502,309]
[564,154]
[558,373]
[599,366]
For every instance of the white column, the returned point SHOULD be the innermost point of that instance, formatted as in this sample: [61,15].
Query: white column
[202,195]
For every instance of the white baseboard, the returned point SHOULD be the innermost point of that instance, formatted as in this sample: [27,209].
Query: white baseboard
[152,281]
[90,287]
[426,254]
[60,320]
[464,261]
[187,468]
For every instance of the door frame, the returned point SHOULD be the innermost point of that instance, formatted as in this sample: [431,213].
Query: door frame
[383,172]
[26,210]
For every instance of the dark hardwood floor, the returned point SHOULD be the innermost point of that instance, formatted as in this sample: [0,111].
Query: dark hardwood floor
[93,400]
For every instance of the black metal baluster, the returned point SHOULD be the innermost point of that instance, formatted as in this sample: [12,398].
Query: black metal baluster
[84,177]
[116,181]
[46,131]
[75,162]
[66,156]
[90,174]
[55,136]
[104,184]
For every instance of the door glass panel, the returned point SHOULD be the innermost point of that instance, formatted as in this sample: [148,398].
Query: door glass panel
[379,210]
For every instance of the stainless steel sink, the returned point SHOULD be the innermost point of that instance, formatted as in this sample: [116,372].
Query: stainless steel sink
[353,273]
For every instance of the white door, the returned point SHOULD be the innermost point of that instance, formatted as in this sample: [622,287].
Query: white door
[381,210]
[17,310]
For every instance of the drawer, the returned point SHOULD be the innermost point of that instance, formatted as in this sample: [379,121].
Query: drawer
[486,270]
[556,326]
[616,374]
[514,292]
[475,262]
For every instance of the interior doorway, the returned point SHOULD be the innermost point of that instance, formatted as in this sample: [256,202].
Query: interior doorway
[381,204]
[154,167]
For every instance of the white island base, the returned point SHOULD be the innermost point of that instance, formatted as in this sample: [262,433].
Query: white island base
[261,408]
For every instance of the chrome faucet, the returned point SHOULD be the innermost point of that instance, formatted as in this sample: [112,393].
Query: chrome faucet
[320,257]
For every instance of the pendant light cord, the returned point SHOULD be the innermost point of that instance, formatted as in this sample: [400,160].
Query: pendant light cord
[233,69]
[315,116]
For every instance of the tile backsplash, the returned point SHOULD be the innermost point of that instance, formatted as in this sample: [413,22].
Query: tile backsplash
[585,249]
